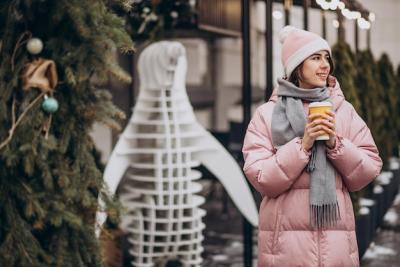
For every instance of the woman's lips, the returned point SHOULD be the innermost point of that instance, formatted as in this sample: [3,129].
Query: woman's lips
[322,76]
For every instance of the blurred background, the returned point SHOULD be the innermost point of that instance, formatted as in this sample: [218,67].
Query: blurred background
[233,55]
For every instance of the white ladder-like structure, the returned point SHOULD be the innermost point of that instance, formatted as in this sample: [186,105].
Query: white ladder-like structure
[156,153]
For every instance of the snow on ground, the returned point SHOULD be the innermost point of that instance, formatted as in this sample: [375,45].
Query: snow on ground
[391,217]
[374,251]
[396,200]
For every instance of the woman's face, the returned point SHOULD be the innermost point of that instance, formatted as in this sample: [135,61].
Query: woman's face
[315,70]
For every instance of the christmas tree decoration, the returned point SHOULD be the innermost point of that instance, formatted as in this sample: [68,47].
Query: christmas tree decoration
[51,180]
[371,94]
[41,74]
[387,78]
[50,104]
[34,46]
[157,152]
[345,72]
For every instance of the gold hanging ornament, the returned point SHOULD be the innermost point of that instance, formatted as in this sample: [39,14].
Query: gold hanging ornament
[41,74]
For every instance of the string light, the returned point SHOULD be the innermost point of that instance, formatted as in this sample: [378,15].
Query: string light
[332,6]
[371,17]
[356,15]
[335,23]
[346,12]
[276,14]
[363,23]
[325,5]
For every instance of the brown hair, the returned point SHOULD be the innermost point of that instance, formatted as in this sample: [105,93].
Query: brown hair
[295,77]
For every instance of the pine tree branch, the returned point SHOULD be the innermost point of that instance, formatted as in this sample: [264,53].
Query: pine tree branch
[13,117]
[18,45]
[15,122]
[47,127]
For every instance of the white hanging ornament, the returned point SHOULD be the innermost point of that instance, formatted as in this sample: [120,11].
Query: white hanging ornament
[34,46]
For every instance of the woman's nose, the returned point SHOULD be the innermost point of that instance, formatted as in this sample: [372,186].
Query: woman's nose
[324,63]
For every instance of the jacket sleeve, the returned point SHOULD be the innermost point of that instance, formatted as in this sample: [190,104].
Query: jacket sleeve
[356,157]
[271,171]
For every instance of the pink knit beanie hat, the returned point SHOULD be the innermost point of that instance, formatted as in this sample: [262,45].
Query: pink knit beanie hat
[297,45]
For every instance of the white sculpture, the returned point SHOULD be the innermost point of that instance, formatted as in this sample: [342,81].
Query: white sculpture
[156,153]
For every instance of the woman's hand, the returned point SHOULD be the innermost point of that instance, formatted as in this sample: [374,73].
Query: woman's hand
[330,117]
[317,125]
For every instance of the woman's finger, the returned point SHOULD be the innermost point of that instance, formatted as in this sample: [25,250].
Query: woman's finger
[328,124]
[315,128]
[314,116]
[328,131]
[316,134]
[320,130]
[318,118]
[331,113]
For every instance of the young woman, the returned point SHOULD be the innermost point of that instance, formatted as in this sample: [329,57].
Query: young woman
[306,215]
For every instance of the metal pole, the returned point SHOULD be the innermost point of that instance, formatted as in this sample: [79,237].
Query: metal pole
[356,37]
[246,100]
[287,6]
[212,81]
[306,4]
[323,17]
[132,88]
[268,49]
[246,89]
[341,34]
[369,38]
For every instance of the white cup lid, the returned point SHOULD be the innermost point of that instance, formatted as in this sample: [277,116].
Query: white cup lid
[320,104]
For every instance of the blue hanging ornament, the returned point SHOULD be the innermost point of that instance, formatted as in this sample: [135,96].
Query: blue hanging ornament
[50,104]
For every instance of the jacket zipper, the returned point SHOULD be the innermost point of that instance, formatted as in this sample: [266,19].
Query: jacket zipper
[276,233]
[277,225]
[319,248]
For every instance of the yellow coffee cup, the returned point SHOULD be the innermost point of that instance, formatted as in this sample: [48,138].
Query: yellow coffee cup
[322,108]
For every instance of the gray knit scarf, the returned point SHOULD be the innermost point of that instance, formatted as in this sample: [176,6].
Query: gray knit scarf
[288,122]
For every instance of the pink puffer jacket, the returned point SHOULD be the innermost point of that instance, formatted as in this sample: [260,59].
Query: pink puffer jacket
[285,236]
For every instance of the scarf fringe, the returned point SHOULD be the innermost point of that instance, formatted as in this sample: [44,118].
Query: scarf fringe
[324,216]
